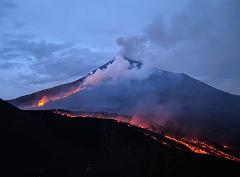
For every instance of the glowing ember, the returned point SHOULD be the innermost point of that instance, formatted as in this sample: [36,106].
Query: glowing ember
[226,147]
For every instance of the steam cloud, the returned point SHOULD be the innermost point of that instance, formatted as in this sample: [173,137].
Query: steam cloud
[118,71]
[201,41]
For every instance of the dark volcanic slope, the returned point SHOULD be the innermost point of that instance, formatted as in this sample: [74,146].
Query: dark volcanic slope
[40,143]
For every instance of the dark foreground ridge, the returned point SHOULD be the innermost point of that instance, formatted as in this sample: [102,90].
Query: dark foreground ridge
[40,143]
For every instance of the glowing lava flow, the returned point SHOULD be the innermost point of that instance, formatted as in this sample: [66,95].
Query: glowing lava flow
[99,115]
[45,99]
[203,148]
[42,101]
[195,146]
[212,150]
[191,147]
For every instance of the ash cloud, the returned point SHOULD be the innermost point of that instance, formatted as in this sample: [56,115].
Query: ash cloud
[202,41]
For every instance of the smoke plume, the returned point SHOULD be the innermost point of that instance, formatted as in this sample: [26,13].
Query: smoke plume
[199,41]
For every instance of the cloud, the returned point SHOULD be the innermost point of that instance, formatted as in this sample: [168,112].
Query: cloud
[38,49]
[9,17]
[45,61]
[5,7]
[10,65]
[202,41]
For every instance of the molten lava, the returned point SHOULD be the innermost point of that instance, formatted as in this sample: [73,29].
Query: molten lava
[187,144]
[99,115]
[195,146]
[42,101]
[45,99]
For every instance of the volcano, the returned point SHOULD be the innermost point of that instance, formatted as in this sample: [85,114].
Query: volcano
[150,95]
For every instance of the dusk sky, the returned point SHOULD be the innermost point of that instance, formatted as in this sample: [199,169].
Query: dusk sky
[49,42]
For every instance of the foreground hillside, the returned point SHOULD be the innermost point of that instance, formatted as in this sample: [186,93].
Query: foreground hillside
[40,143]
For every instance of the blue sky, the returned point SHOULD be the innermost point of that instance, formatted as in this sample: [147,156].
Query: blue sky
[46,43]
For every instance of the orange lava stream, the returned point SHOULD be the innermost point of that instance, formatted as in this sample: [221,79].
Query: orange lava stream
[118,118]
[203,148]
[191,147]
[46,98]
[195,146]
[42,101]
